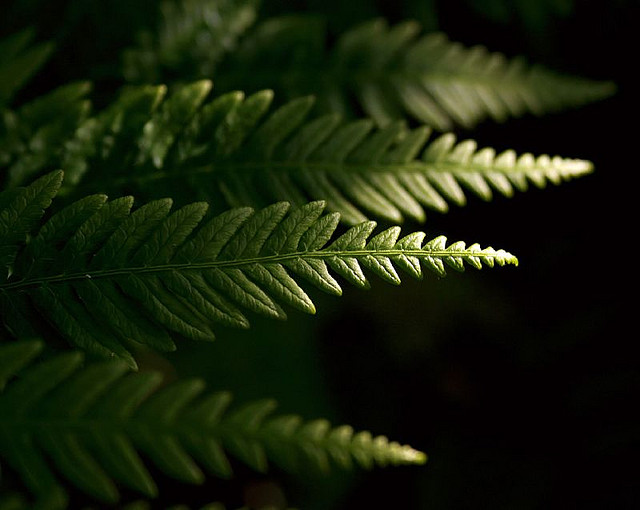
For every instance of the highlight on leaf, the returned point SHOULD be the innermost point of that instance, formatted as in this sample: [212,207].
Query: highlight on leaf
[239,151]
[257,157]
[107,277]
[91,424]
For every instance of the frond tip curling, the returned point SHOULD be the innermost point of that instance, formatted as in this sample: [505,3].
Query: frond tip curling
[88,424]
[152,273]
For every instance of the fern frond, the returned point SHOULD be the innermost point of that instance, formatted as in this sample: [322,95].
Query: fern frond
[395,72]
[196,33]
[20,59]
[239,151]
[90,423]
[104,276]
[234,149]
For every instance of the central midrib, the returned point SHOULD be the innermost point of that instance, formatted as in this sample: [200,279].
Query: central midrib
[415,166]
[198,266]
[499,81]
[134,425]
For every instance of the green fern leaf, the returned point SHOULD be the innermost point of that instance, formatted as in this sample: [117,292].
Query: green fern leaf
[240,152]
[105,276]
[91,425]
[394,72]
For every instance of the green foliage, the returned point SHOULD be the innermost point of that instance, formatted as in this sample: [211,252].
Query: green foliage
[141,276]
[395,72]
[233,150]
[252,200]
[90,422]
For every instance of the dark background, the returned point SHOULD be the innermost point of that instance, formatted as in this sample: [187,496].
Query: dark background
[520,383]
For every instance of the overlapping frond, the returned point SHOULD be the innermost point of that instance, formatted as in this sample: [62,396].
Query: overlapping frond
[104,276]
[397,72]
[92,424]
[239,151]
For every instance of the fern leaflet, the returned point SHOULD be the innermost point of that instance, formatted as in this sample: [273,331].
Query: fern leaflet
[144,275]
[89,424]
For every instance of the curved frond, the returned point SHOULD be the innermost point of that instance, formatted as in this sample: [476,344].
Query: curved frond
[103,275]
[239,151]
[92,424]
[395,72]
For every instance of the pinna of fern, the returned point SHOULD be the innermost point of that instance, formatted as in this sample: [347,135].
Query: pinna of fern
[389,72]
[239,151]
[148,274]
[88,423]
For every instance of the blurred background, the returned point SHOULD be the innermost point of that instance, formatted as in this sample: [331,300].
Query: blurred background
[520,384]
